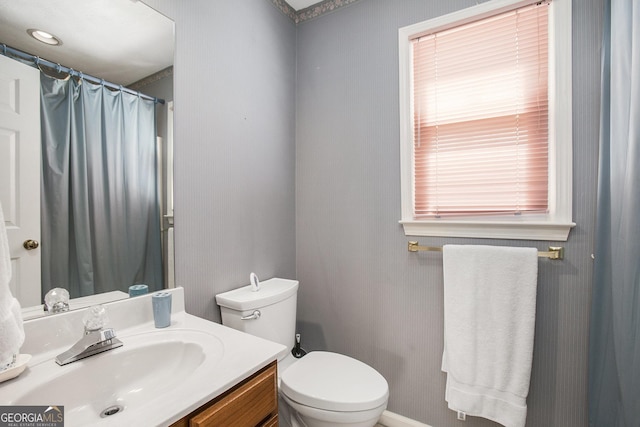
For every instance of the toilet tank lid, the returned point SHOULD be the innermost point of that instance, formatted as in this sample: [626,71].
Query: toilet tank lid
[271,291]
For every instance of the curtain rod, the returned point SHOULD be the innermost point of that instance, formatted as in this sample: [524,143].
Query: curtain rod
[555,252]
[36,61]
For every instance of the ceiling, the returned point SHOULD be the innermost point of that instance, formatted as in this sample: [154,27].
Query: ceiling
[134,40]
[119,29]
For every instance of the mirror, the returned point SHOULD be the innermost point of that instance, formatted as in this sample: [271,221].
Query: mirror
[124,42]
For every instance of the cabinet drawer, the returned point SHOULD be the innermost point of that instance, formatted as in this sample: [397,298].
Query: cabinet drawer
[247,405]
[271,422]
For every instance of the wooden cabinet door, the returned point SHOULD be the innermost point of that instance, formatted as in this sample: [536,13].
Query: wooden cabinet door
[252,403]
[245,406]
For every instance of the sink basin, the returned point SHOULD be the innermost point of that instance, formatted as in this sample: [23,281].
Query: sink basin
[108,385]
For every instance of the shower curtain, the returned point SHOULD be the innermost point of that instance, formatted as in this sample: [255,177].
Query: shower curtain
[100,211]
[614,347]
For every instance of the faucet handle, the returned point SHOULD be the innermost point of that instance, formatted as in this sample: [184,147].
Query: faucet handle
[95,318]
[57,300]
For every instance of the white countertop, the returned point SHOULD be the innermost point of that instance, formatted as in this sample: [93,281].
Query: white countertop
[242,356]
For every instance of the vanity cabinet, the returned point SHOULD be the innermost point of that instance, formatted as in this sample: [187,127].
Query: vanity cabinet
[251,403]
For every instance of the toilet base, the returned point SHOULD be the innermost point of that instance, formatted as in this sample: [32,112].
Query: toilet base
[292,414]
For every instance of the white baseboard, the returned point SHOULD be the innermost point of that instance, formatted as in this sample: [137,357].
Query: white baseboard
[389,419]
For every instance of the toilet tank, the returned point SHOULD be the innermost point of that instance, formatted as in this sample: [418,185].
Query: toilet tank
[276,301]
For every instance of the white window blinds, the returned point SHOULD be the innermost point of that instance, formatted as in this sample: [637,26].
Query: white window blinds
[480,113]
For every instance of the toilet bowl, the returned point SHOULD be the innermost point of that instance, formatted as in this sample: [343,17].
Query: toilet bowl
[321,389]
[329,389]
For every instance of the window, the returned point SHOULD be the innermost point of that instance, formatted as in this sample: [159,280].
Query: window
[485,100]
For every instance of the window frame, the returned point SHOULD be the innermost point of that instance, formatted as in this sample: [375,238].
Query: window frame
[554,225]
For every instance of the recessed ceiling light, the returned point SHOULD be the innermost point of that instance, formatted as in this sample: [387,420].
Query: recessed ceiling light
[44,37]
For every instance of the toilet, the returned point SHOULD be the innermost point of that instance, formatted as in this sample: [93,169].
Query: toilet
[321,389]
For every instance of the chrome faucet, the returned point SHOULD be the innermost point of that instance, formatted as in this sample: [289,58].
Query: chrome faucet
[96,339]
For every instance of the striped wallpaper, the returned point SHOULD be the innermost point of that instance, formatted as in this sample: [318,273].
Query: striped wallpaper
[287,164]
[362,293]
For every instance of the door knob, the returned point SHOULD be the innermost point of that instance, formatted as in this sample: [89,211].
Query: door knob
[31,244]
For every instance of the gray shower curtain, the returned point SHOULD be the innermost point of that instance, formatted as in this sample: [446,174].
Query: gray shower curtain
[100,211]
[614,347]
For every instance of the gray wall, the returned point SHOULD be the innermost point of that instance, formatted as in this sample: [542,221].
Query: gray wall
[362,293]
[259,100]
[234,148]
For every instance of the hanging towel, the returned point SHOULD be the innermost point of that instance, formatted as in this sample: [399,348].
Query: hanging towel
[11,329]
[489,321]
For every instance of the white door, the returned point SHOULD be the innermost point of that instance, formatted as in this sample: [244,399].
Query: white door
[20,174]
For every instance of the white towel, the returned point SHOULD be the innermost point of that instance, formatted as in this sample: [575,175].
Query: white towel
[489,321]
[11,329]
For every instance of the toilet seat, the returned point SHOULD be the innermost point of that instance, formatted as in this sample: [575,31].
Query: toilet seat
[334,382]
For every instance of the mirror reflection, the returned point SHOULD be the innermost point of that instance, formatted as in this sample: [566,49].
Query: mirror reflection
[104,218]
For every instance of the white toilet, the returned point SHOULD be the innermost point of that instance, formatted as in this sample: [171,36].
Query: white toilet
[321,389]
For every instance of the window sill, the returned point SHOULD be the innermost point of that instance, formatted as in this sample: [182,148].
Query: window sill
[518,230]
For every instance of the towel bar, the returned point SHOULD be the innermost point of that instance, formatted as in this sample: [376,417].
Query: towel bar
[554,252]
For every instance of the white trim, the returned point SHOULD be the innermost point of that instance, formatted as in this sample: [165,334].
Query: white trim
[461,17]
[390,419]
[169,189]
[555,225]
[560,112]
[490,229]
